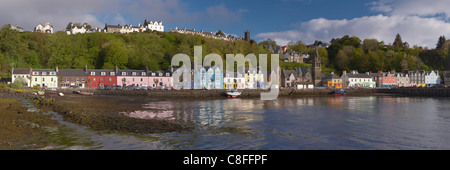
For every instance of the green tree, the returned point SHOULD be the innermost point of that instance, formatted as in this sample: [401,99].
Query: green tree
[220,33]
[398,43]
[441,42]
[115,55]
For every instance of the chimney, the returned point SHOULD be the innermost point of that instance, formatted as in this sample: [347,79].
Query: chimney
[344,72]
[85,69]
[146,69]
[56,69]
[116,70]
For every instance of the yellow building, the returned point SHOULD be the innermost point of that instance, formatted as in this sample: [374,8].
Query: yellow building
[253,79]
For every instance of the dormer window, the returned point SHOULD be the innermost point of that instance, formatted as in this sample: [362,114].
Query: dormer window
[103,73]
[143,74]
[124,73]
[44,73]
[112,73]
[133,73]
[160,74]
[92,73]
[167,74]
[153,74]
[35,73]
[52,73]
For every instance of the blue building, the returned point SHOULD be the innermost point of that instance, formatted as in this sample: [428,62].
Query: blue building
[209,78]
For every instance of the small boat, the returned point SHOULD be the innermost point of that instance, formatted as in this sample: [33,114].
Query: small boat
[40,93]
[84,93]
[233,93]
[339,92]
[61,94]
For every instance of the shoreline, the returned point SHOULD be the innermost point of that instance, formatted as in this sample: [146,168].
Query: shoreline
[256,93]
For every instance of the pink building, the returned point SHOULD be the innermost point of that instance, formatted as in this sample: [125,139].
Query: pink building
[160,78]
[388,80]
[132,77]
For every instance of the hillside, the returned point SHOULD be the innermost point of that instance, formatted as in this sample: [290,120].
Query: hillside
[103,50]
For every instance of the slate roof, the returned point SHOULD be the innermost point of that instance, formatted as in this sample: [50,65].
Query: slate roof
[72,72]
[21,70]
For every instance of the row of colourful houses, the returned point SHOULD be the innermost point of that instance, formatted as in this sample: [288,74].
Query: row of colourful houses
[207,77]
[391,79]
[301,79]
[91,78]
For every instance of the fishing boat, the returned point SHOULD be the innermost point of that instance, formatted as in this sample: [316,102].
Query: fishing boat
[339,92]
[41,93]
[233,93]
[84,93]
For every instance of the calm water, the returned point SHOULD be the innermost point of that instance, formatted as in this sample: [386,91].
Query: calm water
[377,122]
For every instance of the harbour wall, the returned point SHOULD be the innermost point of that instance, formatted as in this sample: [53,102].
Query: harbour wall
[218,92]
[425,92]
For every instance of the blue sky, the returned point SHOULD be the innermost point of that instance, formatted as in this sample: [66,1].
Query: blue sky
[419,22]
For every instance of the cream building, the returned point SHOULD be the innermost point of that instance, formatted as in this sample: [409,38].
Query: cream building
[44,77]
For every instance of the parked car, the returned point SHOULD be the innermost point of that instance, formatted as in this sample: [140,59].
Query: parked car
[137,87]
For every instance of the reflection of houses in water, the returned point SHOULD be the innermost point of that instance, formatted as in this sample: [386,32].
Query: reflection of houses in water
[305,101]
[210,113]
[158,110]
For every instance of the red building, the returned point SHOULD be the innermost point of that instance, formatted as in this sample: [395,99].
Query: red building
[101,78]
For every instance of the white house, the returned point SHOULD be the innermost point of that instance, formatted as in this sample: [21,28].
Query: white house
[234,81]
[76,29]
[154,25]
[432,79]
[25,73]
[47,28]
[354,79]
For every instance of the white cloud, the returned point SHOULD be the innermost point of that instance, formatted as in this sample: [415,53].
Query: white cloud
[418,22]
[413,29]
[412,7]
[29,13]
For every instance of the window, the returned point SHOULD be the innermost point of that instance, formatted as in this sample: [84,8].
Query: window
[160,74]
[153,74]
[167,74]
[101,79]
[93,74]
[51,79]
[143,73]
[43,79]
[35,73]
[78,79]
[142,80]
[124,73]
[103,73]
[112,73]
[52,73]
[110,79]
[133,73]
[35,79]
[95,79]
[82,79]
[44,73]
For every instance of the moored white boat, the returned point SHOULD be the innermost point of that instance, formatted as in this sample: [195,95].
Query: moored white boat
[233,93]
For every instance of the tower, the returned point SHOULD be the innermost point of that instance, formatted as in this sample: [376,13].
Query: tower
[316,68]
[247,35]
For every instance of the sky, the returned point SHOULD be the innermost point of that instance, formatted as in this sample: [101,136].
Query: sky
[419,22]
